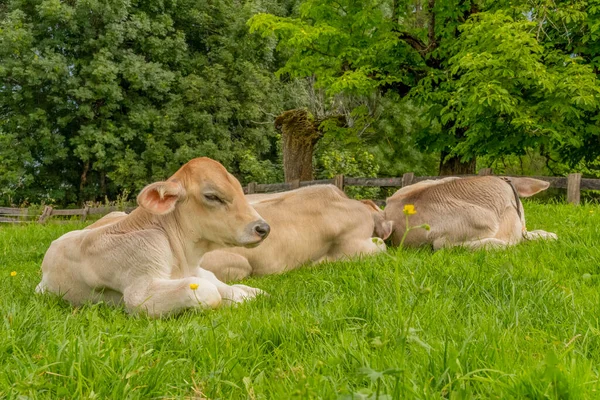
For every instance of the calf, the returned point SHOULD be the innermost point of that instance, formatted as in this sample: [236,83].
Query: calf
[149,259]
[471,212]
[311,224]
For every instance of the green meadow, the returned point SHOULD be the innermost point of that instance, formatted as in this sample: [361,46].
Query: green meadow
[518,323]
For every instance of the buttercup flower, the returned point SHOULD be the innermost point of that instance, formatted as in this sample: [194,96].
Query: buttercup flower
[409,209]
[193,286]
[14,273]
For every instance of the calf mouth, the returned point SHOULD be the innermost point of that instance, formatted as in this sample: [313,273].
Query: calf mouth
[245,244]
[252,245]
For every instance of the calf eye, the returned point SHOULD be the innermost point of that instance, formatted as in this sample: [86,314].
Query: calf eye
[214,198]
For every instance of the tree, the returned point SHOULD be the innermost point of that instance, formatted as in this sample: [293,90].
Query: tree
[487,81]
[99,97]
[507,92]
[574,28]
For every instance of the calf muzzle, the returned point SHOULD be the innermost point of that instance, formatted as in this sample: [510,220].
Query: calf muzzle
[256,232]
[262,229]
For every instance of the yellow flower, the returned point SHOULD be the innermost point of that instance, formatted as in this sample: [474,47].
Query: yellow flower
[409,209]
[193,286]
[14,273]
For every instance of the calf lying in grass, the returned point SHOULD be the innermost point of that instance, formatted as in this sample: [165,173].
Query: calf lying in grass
[472,212]
[311,224]
[149,258]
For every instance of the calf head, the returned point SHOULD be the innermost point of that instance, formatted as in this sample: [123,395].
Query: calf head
[208,203]
[382,227]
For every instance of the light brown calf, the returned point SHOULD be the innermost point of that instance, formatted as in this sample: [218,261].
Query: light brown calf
[149,259]
[472,212]
[310,224]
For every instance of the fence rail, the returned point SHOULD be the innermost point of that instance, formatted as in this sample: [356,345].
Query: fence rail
[573,183]
[22,215]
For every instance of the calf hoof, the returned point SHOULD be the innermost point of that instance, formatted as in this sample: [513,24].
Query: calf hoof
[240,293]
[40,288]
[379,243]
[540,235]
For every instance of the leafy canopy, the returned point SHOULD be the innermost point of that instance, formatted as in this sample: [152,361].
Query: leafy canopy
[493,78]
[102,96]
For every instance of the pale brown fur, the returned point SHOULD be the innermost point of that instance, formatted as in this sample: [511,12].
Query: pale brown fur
[473,212]
[309,225]
[149,258]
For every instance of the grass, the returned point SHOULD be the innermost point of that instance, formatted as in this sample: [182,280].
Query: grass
[519,323]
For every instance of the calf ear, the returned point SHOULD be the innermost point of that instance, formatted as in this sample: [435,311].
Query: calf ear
[384,229]
[528,186]
[371,204]
[161,197]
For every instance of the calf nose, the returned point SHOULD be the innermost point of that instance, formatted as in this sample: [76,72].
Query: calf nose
[262,229]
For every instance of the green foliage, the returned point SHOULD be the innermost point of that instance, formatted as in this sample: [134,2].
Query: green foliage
[397,127]
[361,163]
[520,323]
[533,163]
[492,78]
[509,93]
[104,96]
[99,97]
[336,162]
[345,44]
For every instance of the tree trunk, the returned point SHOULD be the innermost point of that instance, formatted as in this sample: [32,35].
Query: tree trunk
[454,166]
[300,133]
[103,183]
[83,180]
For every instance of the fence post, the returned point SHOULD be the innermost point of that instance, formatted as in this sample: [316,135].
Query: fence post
[574,188]
[407,178]
[252,188]
[45,214]
[86,211]
[295,183]
[338,181]
[485,171]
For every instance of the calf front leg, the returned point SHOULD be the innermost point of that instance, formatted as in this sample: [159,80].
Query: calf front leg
[161,297]
[231,293]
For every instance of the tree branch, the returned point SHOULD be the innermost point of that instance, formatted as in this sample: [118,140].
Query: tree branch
[431,27]
[413,41]
[417,43]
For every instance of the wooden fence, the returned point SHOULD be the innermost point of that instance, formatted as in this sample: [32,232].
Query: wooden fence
[573,183]
[22,215]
